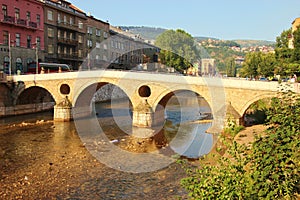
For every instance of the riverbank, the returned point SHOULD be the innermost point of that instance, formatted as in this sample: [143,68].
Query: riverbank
[49,161]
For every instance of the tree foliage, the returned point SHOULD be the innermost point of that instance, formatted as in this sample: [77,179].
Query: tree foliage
[178,49]
[285,61]
[269,169]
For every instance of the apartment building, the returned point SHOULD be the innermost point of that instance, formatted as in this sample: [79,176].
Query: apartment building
[65,29]
[22,33]
[96,47]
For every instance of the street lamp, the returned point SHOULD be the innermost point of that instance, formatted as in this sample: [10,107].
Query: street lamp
[36,56]
[9,51]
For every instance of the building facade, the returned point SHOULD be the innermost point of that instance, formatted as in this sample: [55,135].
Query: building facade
[295,26]
[22,34]
[208,67]
[65,26]
[96,48]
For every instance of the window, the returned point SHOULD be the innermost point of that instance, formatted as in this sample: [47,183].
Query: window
[80,53]
[98,45]
[28,16]
[90,30]
[38,19]
[58,18]
[80,24]
[5,37]
[89,43]
[38,42]
[50,48]
[71,21]
[50,32]
[112,44]
[28,41]
[105,34]
[4,10]
[58,34]
[97,57]
[50,15]
[98,32]
[18,39]
[58,49]
[71,36]
[104,46]
[80,39]
[17,13]
[65,19]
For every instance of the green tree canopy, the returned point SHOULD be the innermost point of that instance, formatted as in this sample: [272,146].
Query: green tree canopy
[178,49]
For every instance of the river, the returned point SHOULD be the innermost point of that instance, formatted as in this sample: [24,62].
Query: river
[42,159]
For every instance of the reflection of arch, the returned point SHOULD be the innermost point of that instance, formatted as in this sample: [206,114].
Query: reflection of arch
[255,99]
[34,94]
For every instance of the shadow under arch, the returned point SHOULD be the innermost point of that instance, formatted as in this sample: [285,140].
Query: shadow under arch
[5,97]
[33,95]
[256,113]
[115,98]
[244,107]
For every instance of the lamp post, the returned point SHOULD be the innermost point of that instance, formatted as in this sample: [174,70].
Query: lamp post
[36,57]
[9,51]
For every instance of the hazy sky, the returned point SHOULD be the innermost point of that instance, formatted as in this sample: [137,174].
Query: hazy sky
[224,19]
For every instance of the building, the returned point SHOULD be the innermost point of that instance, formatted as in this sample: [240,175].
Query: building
[295,26]
[208,67]
[127,51]
[22,33]
[96,48]
[65,29]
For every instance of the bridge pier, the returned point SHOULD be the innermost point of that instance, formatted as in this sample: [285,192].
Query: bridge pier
[63,110]
[143,115]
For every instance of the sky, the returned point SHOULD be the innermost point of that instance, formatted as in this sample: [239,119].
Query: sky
[222,19]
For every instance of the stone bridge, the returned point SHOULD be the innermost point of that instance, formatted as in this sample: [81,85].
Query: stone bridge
[72,92]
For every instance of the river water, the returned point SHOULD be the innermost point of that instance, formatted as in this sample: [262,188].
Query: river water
[42,159]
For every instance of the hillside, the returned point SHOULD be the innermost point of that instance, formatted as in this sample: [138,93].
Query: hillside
[150,33]
[251,43]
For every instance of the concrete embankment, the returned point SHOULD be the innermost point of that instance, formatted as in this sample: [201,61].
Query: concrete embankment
[25,109]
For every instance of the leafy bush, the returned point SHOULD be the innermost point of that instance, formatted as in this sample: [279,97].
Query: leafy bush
[270,169]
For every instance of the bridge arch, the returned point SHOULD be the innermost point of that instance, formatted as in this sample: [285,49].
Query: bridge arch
[85,92]
[34,94]
[261,96]
[167,93]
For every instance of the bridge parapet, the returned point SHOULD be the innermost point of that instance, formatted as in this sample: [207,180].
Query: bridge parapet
[239,93]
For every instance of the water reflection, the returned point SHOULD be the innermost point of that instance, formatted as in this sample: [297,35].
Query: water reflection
[179,132]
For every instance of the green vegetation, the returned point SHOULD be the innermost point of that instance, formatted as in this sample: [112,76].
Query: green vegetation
[285,62]
[267,169]
[178,49]
[223,55]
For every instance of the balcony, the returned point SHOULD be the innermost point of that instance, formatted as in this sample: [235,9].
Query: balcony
[18,22]
[66,25]
[67,56]
[67,41]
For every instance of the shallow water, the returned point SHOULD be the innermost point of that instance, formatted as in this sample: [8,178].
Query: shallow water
[49,160]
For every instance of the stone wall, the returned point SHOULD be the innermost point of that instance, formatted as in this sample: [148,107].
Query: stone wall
[25,109]
[108,92]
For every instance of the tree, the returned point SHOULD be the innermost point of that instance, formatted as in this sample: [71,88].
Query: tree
[178,49]
[251,64]
[267,66]
[230,67]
